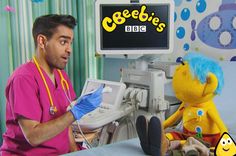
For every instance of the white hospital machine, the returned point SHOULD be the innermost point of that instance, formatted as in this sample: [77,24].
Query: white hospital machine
[111,107]
[147,88]
[101,125]
[131,29]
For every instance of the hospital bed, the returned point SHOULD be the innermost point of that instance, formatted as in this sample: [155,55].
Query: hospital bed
[129,147]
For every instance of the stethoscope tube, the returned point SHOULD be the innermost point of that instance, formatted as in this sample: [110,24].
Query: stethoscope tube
[64,84]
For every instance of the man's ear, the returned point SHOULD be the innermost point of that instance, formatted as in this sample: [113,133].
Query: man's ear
[41,40]
[211,84]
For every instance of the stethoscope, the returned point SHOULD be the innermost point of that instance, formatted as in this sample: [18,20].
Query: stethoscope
[64,84]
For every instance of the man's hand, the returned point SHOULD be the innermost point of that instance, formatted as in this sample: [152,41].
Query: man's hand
[87,103]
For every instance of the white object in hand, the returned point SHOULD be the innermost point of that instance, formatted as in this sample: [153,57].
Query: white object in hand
[107,89]
[90,92]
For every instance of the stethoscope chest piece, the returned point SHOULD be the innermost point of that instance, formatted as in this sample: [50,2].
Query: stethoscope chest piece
[52,110]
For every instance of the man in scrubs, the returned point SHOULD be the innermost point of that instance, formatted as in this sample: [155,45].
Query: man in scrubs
[37,120]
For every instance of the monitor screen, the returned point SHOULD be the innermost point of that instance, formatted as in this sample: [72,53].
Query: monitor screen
[134,28]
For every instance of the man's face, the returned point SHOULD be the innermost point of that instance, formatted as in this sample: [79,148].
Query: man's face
[58,47]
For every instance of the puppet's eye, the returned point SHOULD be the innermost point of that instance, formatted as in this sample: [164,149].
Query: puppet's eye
[223,142]
[180,60]
[229,141]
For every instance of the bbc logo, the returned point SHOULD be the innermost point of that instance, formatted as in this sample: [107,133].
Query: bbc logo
[135,28]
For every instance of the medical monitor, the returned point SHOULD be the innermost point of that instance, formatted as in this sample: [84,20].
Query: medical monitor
[134,26]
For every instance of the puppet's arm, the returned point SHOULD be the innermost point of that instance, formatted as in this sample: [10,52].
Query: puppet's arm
[214,115]
[174,117]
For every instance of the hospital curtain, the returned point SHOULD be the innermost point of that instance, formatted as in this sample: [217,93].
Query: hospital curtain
[17,46]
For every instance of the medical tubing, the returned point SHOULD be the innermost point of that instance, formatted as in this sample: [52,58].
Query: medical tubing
[128,120]
[44,81]
[63,81]
[81,132]
[128,129]
[68,98]
[132,124]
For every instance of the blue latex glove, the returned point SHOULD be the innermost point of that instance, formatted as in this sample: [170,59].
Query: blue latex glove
[87,103]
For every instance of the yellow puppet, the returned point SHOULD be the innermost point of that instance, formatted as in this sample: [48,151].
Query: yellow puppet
[195,82]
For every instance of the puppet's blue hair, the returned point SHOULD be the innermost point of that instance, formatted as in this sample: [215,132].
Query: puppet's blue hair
[201,65]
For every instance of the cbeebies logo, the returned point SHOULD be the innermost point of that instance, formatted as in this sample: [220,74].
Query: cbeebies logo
[118,18]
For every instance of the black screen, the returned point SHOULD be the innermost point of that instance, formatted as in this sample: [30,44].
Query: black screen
[133,33]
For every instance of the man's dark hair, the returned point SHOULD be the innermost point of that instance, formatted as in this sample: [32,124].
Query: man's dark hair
[47,24]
